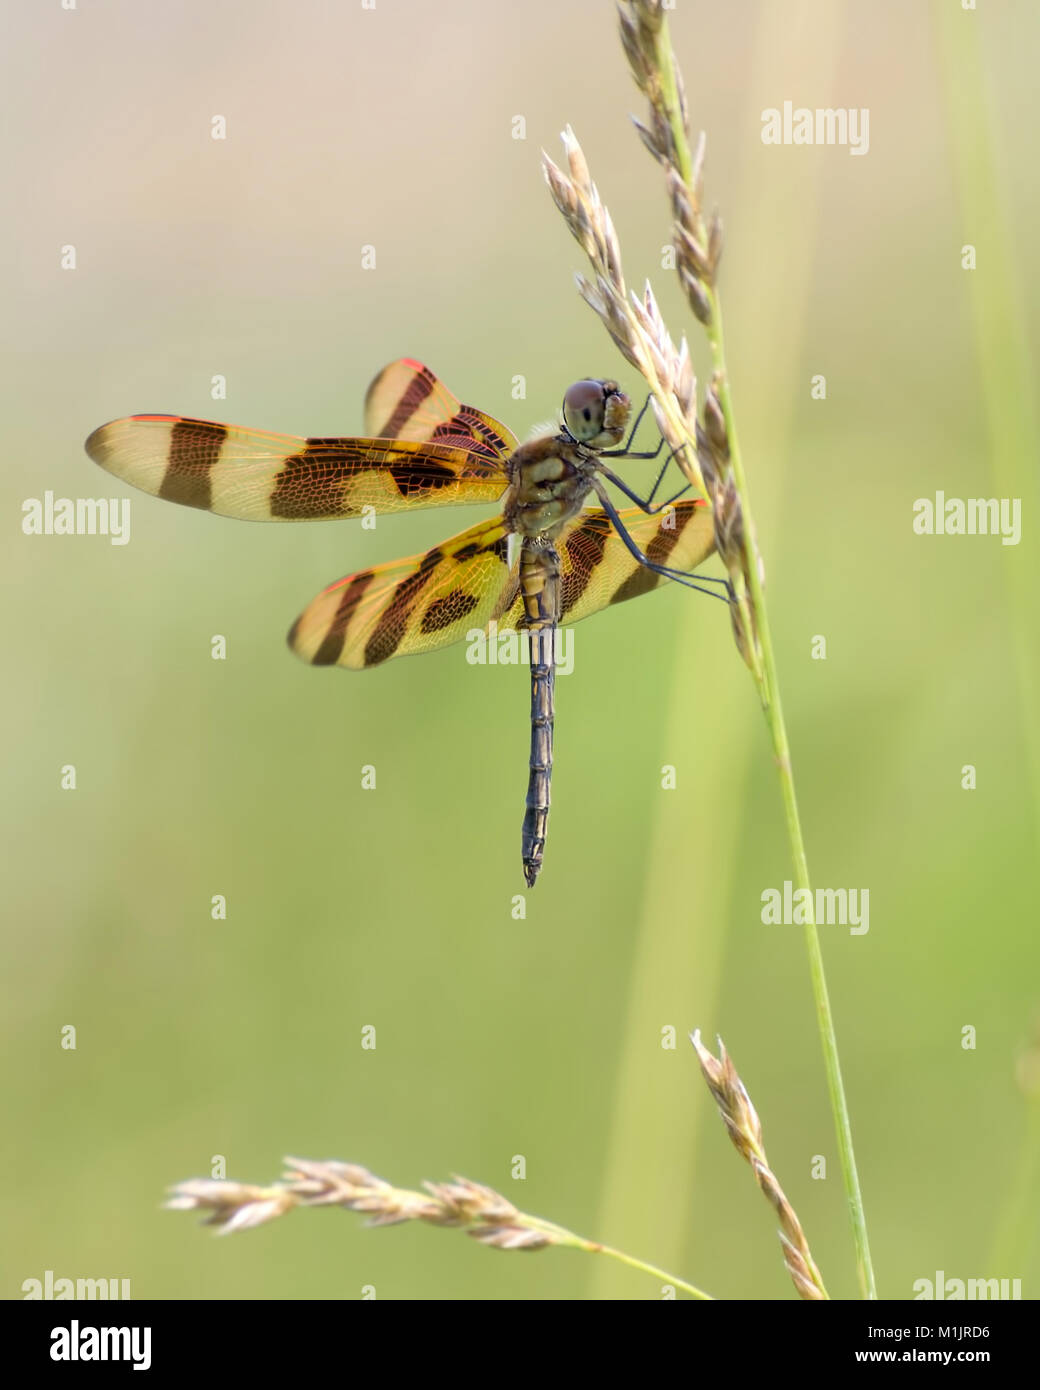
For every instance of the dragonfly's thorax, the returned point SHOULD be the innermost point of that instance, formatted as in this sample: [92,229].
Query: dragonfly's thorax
[550,480]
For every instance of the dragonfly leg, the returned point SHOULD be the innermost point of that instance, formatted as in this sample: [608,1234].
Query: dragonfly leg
[626,451]
[691,581]
[645,504]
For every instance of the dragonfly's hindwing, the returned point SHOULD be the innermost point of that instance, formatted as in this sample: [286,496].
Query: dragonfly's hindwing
[598,570]
[408,606]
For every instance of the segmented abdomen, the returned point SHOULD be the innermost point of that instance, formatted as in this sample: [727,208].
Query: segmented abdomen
[540,590]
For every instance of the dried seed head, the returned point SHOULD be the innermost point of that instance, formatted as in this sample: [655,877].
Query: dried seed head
[229,1206]
[630,42]
[649,13]
[511,1238]
[715,422]
[714,243]
[590,294]
[682,203]
[611,250]
[624,346]
[662,364]
[729,525]
[634,322]
[650,317]
[649,139]
[698,246]
[560,187]
[696,297]
[490,1217]
[796,1268]
[745,1130]
[471,1201]
[734,1103]
[697,169]
[579,169]
[741,623]
[684,110]
[686,383]
[708,463]
[660,419]
[691,258]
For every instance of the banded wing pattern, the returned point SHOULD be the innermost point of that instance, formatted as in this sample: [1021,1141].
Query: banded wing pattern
[406,401]
[434,599]
[257,476]
[409,606]
[598,570]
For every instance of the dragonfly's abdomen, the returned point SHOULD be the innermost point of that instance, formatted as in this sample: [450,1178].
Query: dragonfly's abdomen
[540,588]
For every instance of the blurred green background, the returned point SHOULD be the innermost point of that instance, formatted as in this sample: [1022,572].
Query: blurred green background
[394,127]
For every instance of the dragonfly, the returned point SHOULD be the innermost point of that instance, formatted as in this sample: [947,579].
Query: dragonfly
[545,560]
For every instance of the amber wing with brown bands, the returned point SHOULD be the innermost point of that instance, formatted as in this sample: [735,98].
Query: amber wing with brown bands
[598,570]
[257,476]
[407,401]
[410,606]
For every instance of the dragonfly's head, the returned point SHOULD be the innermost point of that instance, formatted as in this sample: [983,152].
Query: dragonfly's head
[595,413]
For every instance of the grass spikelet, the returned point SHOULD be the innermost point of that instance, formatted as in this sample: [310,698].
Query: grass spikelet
[745,1129]
[633,322]
[235,1206]
[480,1211]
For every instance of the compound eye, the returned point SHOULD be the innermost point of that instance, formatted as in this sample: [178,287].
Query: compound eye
[583,408]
